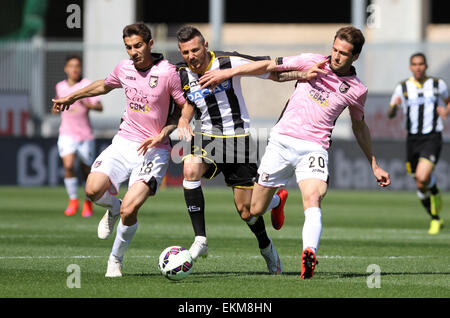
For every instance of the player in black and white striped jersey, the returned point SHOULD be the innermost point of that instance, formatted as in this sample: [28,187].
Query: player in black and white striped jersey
[225,128]
[426,103]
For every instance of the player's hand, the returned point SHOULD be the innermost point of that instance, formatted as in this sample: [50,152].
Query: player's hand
[184,130]
[382,177]
[397,101]
[213,78]
[149,143]
[61,104]
[315,70]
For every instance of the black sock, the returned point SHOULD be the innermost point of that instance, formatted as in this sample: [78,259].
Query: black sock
[427,205]
[195,203]
[259,229]
[434,189]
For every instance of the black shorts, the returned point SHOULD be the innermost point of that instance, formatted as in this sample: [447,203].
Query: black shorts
[422,146]
[235,157]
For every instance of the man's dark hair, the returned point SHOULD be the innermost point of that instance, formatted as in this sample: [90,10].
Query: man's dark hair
[353,36]
[187,33]
[418,54]
[73,56]
[138,28]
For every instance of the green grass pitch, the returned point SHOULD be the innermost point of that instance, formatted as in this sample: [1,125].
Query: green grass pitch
[386,228]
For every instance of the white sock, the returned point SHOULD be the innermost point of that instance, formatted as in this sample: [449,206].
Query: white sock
[71,187]
[423,196]
[312,228]
[124,234]
[276,200]
[111,202]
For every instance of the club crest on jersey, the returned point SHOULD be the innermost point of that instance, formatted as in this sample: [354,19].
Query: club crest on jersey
[344,87]
[153,81]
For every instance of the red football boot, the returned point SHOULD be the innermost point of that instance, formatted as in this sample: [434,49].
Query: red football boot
[277,216]
[72,208]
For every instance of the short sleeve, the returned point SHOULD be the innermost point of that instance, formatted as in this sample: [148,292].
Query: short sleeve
[357,108]
[443,89]
[397,93]
[291,63]
[113,79]
[174,85]
[242,60]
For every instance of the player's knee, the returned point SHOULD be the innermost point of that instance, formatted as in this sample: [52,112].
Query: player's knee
[256,209]
[244,212]
[128,212]
[421,184]
[312,199]
[92,192]
[192,171]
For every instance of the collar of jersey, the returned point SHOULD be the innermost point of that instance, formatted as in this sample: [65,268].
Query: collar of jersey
[213,57]
[419,85]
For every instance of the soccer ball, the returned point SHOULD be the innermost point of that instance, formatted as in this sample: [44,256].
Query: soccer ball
[175,263]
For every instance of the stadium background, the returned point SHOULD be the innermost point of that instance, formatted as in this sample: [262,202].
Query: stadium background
[36,35]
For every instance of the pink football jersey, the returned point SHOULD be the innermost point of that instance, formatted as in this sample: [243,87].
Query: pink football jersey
[75,121]
[315,105]
[148,97]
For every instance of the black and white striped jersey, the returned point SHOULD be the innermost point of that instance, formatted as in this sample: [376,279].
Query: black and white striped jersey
[419,103]
[222,111]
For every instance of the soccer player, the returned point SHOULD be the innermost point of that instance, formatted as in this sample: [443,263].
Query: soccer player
[75,134]
[425,102]
[299,142]
[225,124]
[140,151]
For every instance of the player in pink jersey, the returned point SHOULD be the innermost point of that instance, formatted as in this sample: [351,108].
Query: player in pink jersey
[75,134]
[299,141]
[140,151]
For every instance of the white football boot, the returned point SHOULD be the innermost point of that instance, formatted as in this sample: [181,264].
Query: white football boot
[106,225]
[272,259]
[199,247]
[114,268]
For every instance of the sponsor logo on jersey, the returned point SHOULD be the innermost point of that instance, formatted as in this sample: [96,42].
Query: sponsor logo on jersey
[140,108]
[202,93]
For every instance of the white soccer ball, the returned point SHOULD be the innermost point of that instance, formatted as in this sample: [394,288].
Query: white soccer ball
[175,263]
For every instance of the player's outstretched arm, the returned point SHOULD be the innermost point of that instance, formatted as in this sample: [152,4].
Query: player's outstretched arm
[299,75]
[362,135]
[96,88]
[213,78]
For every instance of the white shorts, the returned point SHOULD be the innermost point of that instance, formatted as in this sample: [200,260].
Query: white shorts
[120,161]
[85,149]
[287,155]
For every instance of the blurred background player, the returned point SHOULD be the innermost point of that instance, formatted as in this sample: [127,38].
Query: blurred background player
[225,127]
[75,134]
[140,151]
[299,141]
[425,102]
